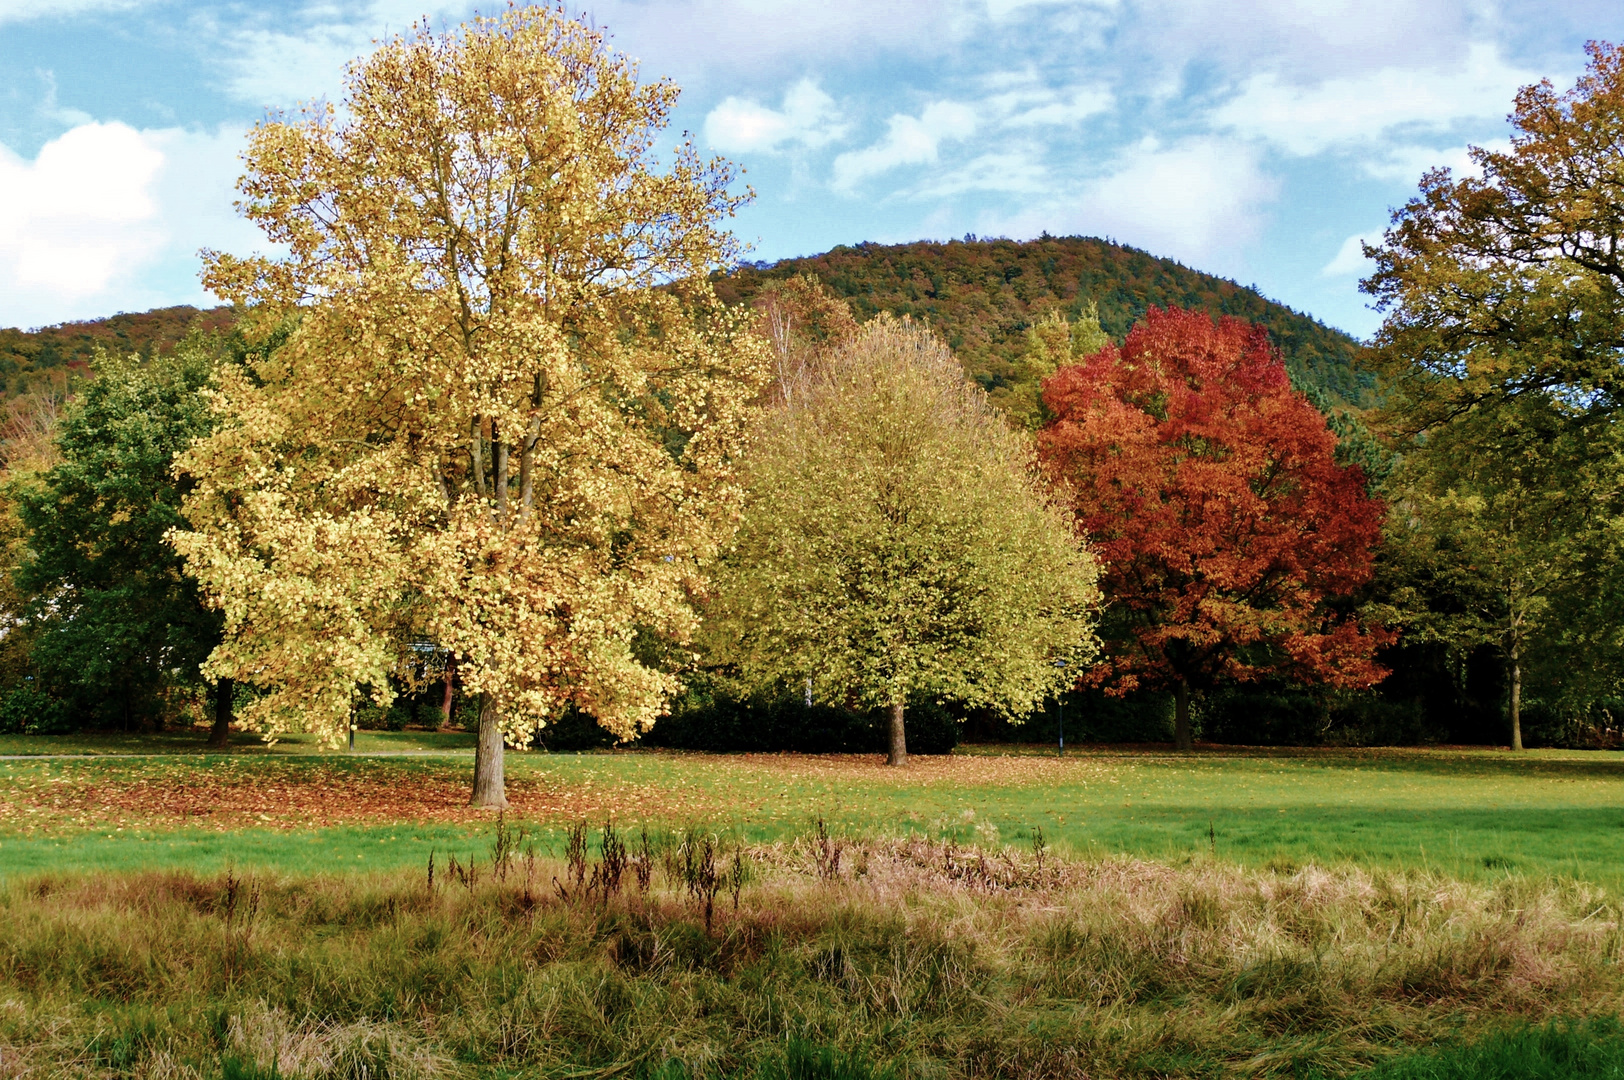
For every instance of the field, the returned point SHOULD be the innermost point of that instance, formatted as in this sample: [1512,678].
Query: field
[1472,814]
[1118,912]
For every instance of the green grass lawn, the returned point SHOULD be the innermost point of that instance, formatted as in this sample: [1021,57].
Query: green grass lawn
[1470,814]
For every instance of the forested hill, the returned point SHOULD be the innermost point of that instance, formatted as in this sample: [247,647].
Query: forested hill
[26,355]
[984,294]
[981,294]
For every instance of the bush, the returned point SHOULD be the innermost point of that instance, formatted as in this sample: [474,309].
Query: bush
[709,719]
[1264,716]
[575,730]
[1088,716]
[26,710]
[368,717]
[1590,725]
[1276,715]
[1367,718]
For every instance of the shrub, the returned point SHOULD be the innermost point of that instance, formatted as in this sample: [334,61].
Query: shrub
[707,718]
[27,710]
[1276,715]
[1089,716]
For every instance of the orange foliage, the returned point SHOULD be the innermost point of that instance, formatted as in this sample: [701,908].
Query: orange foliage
[1210,491]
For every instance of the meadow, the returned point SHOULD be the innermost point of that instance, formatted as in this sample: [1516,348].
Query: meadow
[999,912]
[1476,815]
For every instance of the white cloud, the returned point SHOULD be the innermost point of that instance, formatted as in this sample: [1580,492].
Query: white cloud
[1199,200]
[1014,171]
[107,218]
[999,10]
[25,10]
[79,213]
[697,41]
[1341,113]
[1350,260]
[808,118]
[1405,164]
[910,141]
[1066,111]
[274,66]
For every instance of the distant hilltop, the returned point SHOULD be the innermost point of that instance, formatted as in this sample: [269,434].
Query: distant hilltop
[981,295]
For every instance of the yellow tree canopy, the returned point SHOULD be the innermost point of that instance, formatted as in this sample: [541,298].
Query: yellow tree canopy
[503,402]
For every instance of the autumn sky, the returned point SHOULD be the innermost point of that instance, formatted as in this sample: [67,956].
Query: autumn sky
[1249,138]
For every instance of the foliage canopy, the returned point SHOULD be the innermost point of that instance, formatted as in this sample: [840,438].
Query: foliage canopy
[116,623]
[1513,282]
[898,541]
[1211,492]
[490,429]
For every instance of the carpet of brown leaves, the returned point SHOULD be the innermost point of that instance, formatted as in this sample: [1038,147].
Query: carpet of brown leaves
[313,796]
[291,793]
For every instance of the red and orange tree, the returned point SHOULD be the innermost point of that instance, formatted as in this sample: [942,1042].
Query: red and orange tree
[1211,493]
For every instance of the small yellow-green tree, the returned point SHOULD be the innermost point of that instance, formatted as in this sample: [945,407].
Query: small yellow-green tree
[504,418]
[898,541]
[1053,342]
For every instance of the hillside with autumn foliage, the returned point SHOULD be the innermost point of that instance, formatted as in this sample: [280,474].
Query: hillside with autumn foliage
[984,295]
[981,295]
[30,356]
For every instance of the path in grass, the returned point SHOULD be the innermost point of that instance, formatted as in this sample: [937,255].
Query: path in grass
[1472,814]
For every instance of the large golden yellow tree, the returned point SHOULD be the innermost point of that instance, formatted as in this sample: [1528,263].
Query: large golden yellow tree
[502,401]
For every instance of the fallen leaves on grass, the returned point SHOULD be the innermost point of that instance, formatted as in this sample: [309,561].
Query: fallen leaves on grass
[232,795]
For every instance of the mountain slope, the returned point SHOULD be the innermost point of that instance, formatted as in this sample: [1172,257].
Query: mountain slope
[26,355]
[982,295]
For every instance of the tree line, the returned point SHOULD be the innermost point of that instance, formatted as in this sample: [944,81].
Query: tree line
[489,425]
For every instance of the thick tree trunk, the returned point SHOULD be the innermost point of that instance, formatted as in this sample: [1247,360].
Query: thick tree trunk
[220,733]
[1181,716]
[1516,700]
[450,683]
[489,787]
[899,737]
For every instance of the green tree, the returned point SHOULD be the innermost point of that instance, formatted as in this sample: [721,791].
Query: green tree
[116,622]
[1051,344]
[898,542]
[1500,526]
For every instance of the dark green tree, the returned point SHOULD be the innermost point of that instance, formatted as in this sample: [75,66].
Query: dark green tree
[1503,530]
[116,625]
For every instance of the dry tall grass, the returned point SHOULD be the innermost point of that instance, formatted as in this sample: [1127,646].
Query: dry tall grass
[919,959]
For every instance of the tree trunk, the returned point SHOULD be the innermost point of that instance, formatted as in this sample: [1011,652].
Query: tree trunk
[489,788]
[499,463]
[1516,699]
[899,737]
[220,734]
[450,682]
[1181,716]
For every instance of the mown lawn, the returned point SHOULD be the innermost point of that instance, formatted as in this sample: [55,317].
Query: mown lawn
[1470,814]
